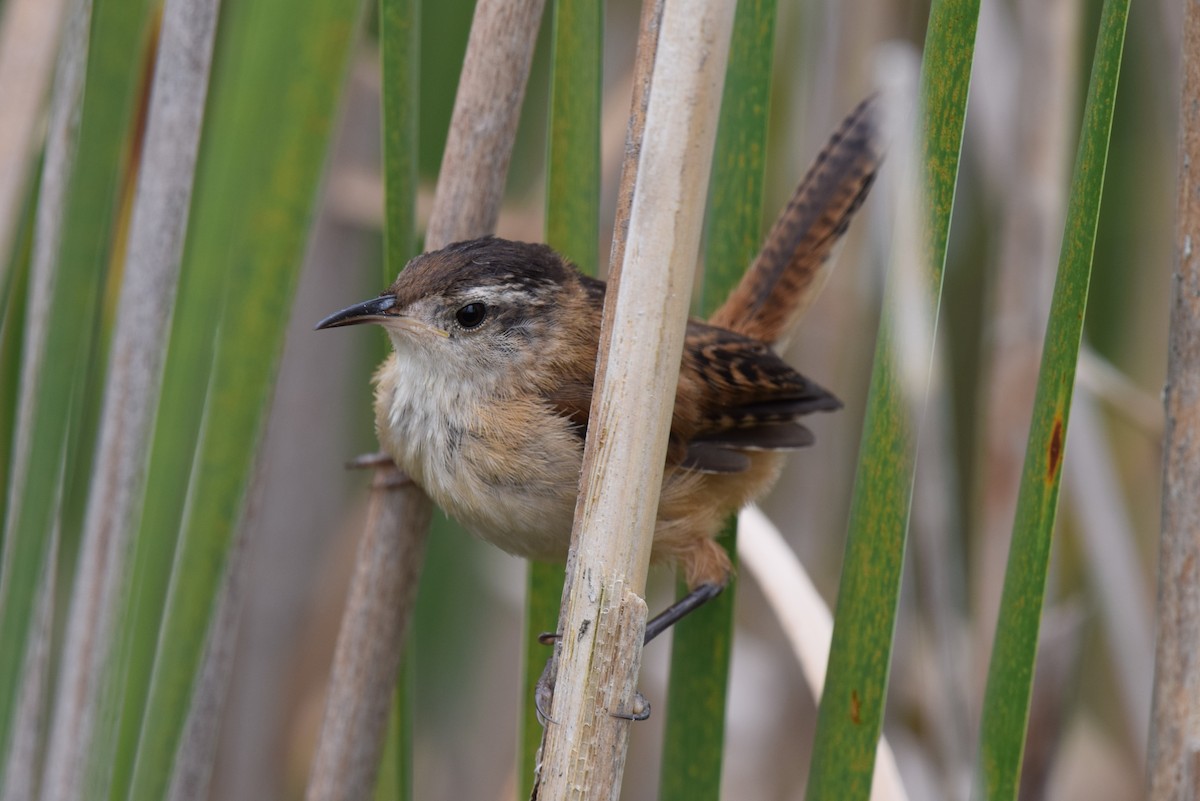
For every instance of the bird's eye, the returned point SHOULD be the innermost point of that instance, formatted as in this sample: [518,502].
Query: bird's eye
[471,315]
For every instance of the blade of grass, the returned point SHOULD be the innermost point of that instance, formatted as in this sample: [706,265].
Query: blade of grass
[20,777]
[702,643]
[183,395]
[543,594]
[851,712]
[701,648]
[573,164]
[400,62]
[269,124]
[71,256]
[147,297]
[12,332]
[400,55]
[573,229]
[396,769]
[1010,672]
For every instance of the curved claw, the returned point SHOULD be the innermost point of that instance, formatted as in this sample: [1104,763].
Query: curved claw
[543,694]
[548,637]
[640,711]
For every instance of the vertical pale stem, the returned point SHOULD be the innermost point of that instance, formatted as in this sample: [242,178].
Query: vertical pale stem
[1174,755]
[604,616]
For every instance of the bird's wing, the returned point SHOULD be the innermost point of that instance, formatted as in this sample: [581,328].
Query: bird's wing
[752,400]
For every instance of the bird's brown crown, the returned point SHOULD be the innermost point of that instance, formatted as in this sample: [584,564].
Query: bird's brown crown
[486,265]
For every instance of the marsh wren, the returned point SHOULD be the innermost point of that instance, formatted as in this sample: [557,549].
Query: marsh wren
[485,400]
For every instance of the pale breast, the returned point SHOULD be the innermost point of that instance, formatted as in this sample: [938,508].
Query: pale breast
[515,491]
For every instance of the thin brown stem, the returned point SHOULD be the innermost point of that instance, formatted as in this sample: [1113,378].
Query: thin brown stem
[370,642]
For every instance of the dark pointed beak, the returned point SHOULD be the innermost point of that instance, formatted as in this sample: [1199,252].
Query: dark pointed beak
[369,311]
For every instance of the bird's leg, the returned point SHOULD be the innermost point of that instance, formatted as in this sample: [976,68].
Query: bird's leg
[543,693]
[696,598]
[665,619]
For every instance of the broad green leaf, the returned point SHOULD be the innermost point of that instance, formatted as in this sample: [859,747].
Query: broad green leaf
[58,372]
[1014,653]
[278,72]
[694,740]
[703,642]
[851,711]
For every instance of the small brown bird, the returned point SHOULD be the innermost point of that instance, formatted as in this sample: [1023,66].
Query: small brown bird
[485,401]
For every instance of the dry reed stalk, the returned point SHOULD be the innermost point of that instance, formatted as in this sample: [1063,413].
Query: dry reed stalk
[1173,763]
[603,619]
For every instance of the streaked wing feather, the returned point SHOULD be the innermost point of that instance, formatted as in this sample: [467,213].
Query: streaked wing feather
[755,396]
[707,457]
[769,437]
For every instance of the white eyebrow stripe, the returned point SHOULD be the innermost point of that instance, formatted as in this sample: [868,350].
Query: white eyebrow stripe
[501,295]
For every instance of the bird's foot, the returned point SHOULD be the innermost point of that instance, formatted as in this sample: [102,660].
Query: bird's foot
[640,710]
[543,698]
[543,692]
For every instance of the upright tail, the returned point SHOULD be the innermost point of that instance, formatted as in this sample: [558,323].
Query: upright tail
[792,266]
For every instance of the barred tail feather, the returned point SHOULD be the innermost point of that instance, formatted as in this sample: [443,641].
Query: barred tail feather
[792,266]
